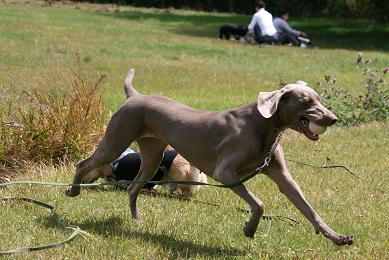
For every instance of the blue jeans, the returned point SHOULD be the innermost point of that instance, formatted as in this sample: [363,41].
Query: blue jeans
[264,38]
[289,38]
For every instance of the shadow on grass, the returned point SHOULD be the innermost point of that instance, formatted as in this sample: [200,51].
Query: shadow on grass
[337,33]
[199,25]
[165,16]
[326,33]
[112,227]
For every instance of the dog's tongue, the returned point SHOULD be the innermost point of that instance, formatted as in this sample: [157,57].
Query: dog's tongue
[312,136]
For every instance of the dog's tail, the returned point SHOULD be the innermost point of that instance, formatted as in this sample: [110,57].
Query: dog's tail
[128,88]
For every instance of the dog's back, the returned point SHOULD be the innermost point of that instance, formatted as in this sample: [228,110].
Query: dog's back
[228,30]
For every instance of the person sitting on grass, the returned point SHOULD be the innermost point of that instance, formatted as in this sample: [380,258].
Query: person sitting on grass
[262,25]
[287,34]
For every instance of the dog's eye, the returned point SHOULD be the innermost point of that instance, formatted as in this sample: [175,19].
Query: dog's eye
[307,100]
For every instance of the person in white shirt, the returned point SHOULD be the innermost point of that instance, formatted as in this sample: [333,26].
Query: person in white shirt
[262,25]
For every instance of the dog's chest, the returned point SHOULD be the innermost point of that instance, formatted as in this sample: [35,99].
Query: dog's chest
[250,167]
[255,157]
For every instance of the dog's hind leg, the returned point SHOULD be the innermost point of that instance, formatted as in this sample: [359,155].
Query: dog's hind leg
[151,150]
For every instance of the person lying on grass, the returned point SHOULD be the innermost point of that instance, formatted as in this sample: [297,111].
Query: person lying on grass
[173,167]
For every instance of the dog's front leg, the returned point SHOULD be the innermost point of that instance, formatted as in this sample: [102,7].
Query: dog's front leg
[257,207]
[278,172]
[82,169]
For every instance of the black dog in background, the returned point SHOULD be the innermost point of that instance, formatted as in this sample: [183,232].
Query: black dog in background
[234,30]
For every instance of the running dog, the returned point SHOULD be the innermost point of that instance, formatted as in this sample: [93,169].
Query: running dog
[226,145]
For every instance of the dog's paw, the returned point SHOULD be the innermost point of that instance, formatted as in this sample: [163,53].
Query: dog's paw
[135,216]
[248,230]
[72,191]
[343,240]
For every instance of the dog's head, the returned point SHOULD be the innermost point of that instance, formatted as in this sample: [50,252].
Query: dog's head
[296,106]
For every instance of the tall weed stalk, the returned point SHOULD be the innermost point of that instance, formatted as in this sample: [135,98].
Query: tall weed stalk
[52,125]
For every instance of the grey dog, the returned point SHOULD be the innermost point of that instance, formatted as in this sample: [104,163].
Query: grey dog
[226,145]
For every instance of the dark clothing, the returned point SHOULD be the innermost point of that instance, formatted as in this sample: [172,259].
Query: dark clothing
[283,27]
[129,166]
[285,38]
[264,38]
[286,33]
[277,38]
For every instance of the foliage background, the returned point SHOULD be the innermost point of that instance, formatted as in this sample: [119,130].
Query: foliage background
[375,9]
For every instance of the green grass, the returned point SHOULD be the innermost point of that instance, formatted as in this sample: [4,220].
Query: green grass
[182,229]
[159,44]
[176,53]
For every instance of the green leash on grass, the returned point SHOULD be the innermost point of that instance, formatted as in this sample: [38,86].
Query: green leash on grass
[77,229]
[53,215]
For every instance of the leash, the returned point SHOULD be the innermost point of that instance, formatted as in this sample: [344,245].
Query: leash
[325,166]
[76,229]
[241,181]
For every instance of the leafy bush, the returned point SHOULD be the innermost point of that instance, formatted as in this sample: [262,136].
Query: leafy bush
[52,125]
[372,105]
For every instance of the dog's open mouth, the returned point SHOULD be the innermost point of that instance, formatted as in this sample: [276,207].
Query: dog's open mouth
[304,127]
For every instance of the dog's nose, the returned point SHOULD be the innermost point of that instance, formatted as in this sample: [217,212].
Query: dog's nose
[333,120]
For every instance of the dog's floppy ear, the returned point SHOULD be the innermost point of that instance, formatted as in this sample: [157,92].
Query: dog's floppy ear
[268,102]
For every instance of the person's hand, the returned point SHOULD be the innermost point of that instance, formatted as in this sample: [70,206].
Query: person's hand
[303,34]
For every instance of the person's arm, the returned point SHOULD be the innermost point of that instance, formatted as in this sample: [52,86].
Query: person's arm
[285,27]
[303,34]
[254,20]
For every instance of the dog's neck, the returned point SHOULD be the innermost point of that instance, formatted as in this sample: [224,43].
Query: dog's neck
[268,131]
[276,122]
[271,141]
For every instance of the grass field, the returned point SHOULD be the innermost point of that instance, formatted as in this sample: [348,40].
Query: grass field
[176,53]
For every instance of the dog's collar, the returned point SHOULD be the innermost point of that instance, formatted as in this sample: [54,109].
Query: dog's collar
[270,155]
